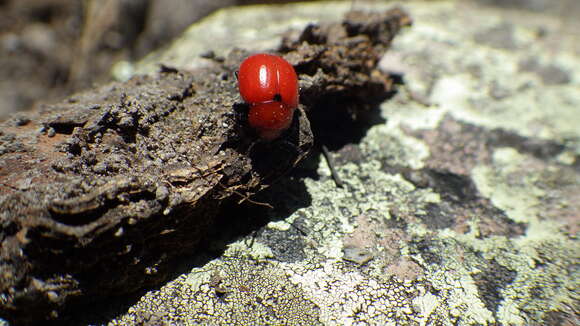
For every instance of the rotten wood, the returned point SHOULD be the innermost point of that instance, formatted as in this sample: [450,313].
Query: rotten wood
[99,193]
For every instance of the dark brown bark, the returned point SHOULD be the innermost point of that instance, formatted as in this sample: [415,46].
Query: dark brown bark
[100,192]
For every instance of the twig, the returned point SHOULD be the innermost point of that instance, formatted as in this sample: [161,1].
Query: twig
[330,163]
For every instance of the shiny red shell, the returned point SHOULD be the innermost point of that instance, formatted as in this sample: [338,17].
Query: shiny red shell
[269,85]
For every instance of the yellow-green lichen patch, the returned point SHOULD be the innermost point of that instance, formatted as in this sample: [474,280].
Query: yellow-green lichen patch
[394,147]
[466,287]
[508,189]
[371,196]
[347,297]
[495,279]
[547,281]
[520,281]
[252,249]
[227,292]
[532,191]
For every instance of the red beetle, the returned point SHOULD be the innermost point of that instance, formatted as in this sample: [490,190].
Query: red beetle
[269,85]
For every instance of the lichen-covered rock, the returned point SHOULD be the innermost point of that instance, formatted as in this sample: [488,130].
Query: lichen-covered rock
[235,292]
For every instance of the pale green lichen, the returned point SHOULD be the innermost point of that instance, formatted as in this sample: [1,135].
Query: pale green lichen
[544,258]
[231,292]
[555,280]
[348,297]
[471,71]
[520,199]
[394,147]
[251,249]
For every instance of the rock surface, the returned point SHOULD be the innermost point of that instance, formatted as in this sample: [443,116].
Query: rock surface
[460,208]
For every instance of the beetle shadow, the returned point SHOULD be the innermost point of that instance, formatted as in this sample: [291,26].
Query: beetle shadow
[236,221]
[340,120]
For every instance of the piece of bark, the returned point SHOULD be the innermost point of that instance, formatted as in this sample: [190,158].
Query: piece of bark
[99,193]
